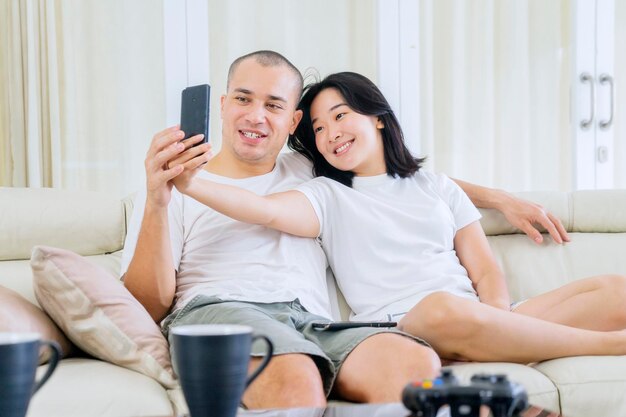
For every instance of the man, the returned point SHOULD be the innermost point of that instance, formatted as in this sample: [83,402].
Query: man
[206,268]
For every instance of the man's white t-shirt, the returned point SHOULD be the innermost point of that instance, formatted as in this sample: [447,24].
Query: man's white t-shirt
[215,255]
[390,241]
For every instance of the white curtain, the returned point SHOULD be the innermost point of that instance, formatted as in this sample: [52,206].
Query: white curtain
[82,88]
[82,81]
[495,91]
[30,129]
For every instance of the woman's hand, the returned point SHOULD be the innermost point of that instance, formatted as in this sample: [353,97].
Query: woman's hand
[525,215]
[522,214]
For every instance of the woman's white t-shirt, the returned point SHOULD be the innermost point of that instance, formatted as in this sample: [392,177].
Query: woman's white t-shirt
[390,241]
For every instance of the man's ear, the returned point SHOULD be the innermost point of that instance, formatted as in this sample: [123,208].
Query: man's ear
[297,116]
[222,99]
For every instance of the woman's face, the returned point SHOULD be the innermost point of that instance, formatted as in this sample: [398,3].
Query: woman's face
[348,140]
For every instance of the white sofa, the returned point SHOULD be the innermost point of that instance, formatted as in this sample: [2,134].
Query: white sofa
[94,225]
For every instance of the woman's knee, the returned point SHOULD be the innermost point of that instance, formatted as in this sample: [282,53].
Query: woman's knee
[614,287]
[440,312]
[614,283]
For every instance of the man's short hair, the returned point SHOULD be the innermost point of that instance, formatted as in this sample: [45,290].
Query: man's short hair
[267,59]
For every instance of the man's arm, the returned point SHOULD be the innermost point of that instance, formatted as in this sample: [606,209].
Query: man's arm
[520,213]
[151,276]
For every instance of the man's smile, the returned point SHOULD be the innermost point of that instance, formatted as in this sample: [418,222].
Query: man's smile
[252,136]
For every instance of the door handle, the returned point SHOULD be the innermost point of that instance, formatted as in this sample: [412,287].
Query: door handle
[585,77]
[607,79]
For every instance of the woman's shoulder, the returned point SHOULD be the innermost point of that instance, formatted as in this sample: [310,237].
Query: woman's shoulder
[326,183]
[439,183]
[326,188]
[427,177]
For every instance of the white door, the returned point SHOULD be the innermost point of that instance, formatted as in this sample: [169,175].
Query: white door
[593,93]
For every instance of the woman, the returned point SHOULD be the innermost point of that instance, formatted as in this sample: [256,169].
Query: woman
[407,245]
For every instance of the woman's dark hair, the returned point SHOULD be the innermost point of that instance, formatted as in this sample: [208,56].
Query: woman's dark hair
[363,97]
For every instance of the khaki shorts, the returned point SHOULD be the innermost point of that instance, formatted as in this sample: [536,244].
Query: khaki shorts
[287,324]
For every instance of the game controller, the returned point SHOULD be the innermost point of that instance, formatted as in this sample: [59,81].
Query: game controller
[503,397]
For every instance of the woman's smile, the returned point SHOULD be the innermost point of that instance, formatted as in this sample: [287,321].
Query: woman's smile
[343,148]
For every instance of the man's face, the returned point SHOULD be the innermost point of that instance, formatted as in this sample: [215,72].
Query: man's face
[259,112]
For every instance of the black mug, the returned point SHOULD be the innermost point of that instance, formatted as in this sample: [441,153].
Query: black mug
[19,358]
[211,361]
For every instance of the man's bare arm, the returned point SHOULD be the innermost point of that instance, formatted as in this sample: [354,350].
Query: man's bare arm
[520,213]
[151,275]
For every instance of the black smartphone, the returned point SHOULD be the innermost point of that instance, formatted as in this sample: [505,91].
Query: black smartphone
[340,325]
[194,111]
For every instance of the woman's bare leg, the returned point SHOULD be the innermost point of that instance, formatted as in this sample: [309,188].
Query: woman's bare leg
[460,328]
[596,303]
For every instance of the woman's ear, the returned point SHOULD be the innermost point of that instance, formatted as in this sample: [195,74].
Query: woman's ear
[379,124]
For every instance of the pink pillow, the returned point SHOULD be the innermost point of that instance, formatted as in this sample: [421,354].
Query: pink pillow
[98,314]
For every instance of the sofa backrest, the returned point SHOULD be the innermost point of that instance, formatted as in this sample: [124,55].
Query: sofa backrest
[88,223]
[94,225]
[596,222]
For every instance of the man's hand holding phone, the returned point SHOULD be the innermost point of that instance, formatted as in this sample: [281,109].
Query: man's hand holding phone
[164,146]
[167,157]
[193,159]
[179,148]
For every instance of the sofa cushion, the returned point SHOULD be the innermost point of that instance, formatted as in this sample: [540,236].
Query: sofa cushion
[82,387]
[98,314]
[588,383]
[541,391]
[20,315]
